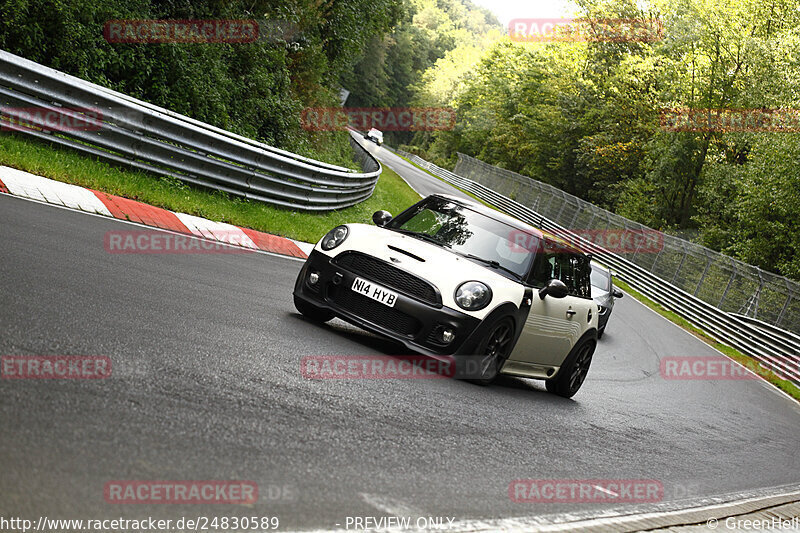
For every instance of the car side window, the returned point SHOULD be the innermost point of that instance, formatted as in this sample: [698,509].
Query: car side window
[556,263]
[583,278]
[542,270]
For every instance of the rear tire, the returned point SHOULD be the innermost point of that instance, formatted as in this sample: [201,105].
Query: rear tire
[312,312]
[573,372]
[600,333]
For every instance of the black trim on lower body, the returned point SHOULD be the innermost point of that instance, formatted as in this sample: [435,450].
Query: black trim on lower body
[409,321]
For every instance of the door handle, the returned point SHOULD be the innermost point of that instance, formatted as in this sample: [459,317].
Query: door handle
[570,313]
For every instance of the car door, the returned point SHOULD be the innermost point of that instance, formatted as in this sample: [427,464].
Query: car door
[553,325]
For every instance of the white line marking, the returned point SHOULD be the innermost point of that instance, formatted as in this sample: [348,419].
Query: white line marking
[607,491]
[389,505]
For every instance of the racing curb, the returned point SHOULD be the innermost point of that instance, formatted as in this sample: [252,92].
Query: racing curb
[24,184]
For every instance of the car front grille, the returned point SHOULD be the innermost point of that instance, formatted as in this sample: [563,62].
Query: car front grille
[372,311]
[386,274]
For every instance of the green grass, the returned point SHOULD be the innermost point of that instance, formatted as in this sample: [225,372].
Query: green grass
[329,146]
[787,386]
[391,192]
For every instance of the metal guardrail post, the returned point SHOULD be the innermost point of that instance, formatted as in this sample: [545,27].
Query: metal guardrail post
[728,286]
[683,258]
[783,310]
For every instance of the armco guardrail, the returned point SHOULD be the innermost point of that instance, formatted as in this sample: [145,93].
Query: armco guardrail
[789,340]
[720,280]
[97,121]
[775,352]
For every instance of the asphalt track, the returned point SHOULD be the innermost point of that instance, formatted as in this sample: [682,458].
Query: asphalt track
[420,181]
[206,385]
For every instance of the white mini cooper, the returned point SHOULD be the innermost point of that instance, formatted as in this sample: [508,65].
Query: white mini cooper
[452,278]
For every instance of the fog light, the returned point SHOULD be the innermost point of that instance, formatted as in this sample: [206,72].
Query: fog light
[313,278]
[447,335]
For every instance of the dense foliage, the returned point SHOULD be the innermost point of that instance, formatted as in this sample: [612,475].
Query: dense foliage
[585,117]
[434,43]
[256,89]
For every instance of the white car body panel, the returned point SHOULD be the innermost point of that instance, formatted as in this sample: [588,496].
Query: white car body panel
[549,332]
[444,269]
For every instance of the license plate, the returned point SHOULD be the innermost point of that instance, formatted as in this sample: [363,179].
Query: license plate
[374,291]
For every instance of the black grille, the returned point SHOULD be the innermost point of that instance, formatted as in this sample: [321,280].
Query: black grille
[377,313]
[385,274]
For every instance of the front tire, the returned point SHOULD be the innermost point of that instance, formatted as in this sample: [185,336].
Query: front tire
[493,351]
[317,314]
[573,372]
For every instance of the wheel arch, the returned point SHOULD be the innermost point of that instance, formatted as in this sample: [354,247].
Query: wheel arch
[517,313]
[589,334]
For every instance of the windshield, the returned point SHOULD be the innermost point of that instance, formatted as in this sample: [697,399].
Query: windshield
[469,233]
[600,278]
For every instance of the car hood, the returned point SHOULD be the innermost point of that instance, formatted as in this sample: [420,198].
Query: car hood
[436,264]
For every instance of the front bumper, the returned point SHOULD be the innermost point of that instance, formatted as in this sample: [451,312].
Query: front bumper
[410,321]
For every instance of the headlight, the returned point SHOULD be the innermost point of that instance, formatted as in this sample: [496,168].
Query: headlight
[473,295]
[334,238]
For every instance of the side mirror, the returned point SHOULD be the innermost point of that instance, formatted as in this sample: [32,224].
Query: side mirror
[381,218]
[616,293]
[554,288]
